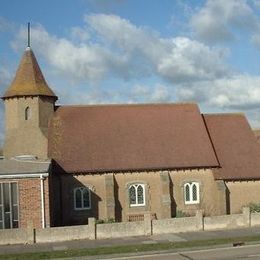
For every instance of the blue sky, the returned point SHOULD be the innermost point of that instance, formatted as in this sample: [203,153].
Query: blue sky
[132,51]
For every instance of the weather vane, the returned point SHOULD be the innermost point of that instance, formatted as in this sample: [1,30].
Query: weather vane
[28,39]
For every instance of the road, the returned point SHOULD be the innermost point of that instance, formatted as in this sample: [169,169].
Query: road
[250,252]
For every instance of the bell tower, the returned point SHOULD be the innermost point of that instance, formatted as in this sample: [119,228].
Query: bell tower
[29,104]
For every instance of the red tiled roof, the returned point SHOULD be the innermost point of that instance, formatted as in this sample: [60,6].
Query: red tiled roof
[235,145]
[257,134]
[29,80]
[129,137]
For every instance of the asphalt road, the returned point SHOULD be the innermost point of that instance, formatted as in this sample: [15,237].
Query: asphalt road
[244,252]
[250,252]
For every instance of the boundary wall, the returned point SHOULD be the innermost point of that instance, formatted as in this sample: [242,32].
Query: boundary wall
[147,227]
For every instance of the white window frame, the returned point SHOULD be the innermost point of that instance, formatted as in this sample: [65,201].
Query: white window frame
[190,187]
[136,185]
[81,189]
[11,195]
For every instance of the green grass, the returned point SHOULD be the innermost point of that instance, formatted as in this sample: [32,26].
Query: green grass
[129,248]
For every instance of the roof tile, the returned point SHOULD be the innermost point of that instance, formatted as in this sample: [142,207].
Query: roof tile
[129,137]
[236,147]
[29,80]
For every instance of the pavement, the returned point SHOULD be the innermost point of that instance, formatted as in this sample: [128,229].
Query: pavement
[154,239]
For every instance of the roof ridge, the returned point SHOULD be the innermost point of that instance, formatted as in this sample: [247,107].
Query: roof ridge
[130,104]
[225,114]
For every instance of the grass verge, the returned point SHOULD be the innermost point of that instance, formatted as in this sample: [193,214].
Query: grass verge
[129,248]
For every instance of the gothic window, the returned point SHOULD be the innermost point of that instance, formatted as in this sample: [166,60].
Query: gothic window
[191,193]
[27,113]
[82,198]
[137,195]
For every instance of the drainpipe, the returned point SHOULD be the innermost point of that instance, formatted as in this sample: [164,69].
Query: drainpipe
[42,200]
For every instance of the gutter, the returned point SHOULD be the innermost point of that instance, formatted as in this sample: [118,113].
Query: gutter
[24,175]
[42,178]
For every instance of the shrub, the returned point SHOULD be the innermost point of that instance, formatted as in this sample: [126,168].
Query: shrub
[181,214]
[254,207]
[104,221]
[100,221]
[111,220]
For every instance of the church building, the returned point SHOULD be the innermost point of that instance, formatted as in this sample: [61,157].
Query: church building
[64,164]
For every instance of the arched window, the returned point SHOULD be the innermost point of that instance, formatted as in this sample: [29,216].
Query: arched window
[27,113]
[191,193]
[137,195]
[82,198]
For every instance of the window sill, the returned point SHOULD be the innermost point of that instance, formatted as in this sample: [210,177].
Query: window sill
[140,205]
[81,209]
[192,203]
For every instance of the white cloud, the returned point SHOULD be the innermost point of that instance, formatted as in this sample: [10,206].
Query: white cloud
[217,19]
[190,60]
[79,34]
[239,92]
[82,61]
[117,48]
[110,47]
[150,94]
[5,77]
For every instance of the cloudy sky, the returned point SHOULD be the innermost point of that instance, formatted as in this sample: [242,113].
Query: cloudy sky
[132,51]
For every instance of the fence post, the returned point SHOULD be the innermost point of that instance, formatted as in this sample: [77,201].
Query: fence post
[147,224]
[92,228]
[200,219]
[247,216]
[30,235]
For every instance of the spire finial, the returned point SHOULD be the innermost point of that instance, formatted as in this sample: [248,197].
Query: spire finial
[28,39]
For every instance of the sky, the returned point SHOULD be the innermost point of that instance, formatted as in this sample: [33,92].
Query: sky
[133,51]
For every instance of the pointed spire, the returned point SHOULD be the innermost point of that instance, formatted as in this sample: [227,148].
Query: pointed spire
[29,37]
[29,80]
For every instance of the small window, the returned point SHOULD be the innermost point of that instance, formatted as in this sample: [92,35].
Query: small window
[82,198]
[27,113]
[137,195]
[191,193]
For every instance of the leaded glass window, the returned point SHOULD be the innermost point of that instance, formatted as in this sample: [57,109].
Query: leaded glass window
[187,193]
[86,201]
[194,192]
[137,195]
[82,198]
[132,195]
[191,193]
[78,201]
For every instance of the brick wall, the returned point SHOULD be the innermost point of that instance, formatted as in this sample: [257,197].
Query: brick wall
[30,203]
[27,136]
[212,194]
[96,183]
[164,195]
[29,198]
[241,193]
